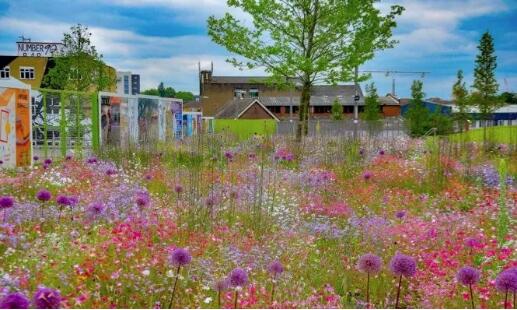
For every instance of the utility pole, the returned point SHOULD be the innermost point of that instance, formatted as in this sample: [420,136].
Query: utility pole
[356,102]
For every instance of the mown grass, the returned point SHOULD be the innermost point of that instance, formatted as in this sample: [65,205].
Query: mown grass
[499,134]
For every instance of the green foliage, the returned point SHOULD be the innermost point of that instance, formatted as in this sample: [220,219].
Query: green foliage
[168,92]
[243,128]
[442,123]
[372,106]
[503,220]
[508,97]
[499,135]
[337,110]
[460,96]
[417,117]
[79,67]
[310,40]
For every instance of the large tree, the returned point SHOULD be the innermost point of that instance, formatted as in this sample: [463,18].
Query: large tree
[484,95]
[310,40]
[79,67]
[169,92]
[460,95]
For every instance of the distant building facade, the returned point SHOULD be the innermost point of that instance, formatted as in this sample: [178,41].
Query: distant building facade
[128,83]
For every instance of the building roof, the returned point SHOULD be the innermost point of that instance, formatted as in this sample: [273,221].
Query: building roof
[237,107]
[238,79]
[389,100]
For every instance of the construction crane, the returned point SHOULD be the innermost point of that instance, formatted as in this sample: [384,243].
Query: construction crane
[394,72]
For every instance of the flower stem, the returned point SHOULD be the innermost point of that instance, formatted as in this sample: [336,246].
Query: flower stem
[398,293]
[368,291]
[174,288]
[219,299]
[235,300]
[471,296]
[273,292]
[506,299]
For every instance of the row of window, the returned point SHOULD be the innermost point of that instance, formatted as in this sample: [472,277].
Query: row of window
[242,93]
[26,73]
[317,109]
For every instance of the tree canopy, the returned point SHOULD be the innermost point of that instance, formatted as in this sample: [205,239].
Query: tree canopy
[169,92]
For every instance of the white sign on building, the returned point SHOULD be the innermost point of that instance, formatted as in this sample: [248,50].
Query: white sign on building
[39,49]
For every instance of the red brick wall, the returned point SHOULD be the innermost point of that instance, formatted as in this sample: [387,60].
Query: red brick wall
[391,110]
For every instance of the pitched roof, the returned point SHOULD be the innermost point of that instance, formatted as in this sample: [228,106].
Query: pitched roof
[237,107]
[238,79]
[388,100]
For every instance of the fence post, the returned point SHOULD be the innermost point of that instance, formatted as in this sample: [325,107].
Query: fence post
[95,123]
[62,124]
[45,125]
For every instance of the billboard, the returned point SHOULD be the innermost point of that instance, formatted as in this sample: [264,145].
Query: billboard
[15,127]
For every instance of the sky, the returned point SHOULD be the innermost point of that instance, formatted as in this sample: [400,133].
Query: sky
[163,40]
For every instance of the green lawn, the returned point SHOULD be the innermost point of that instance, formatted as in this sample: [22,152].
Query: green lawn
[500,134]
[244,128]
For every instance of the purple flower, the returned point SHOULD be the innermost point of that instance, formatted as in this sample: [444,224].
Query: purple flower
[400,214]
[63,200]
[178,189]
[276,268]
[45,166]
[369,263]
[6,202]
[48,161]
[472,242]
[381,152]
[180,257]
[367,175]
[73,200]
[361,152]
[43,195]
[148,177]
[1,162]
[251,156]
[35,158]
[403,265]
[92,160]
[468,275]
[238,277]
[142,199]
[111,171]
[96,209]
[68,157]
[507,280]
[46,298]
[15,301]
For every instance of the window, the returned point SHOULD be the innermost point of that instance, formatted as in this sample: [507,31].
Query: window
[322,109]
[126,84]
[239,93]
[348,109]
[5,72]
[27,73]
[274,109]
[295,109]
[254,92]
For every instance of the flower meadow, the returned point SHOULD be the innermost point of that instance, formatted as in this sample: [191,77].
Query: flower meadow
[265,223]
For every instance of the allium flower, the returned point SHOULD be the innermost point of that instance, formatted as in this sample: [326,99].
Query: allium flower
[35,158]
[92,160]
[148,177]
[45,166]
[47,161]
[180,257]
[1,162]
[14,301]
[46,298]
[367,175]
[369,263]
[96,209]
[468,276]
[507,281]
[68,157]
[381,152]
[276,268]
[178,189]
[252,156]
[403,265]
[73,200]
[229,155]
[43,195]
[6,202]
[111,171]
[63,200]
[400,214]
[238,277]
[142,199]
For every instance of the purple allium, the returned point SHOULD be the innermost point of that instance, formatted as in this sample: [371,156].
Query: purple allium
[361,152]
[367,175]
[468,275]
[142,199]
[6,202]
[43,195]
[180,257]
[14,301]
[35,157]
[68,157]
[178,189]
[369,263]
[92,160]
[252,156]
[275,268]
[400,214]
[210,201]
[96,208]
[403,265]
[46,298]
[148,177]
[48,161]
[229,155]
[381,152]
[1,162]
[74,200]
[111,171]
[63,200]
[45,166]
[507,281]
[238,277]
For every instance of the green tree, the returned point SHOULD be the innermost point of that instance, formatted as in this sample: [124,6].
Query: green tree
[161,91]
[417,117]
[185,95]
[336,110]
[79,67]
[460,96]
[484,96]
[508,97]
[310,40]
[372,106]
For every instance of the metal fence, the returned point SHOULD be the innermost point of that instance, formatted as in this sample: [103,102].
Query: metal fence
[386,128]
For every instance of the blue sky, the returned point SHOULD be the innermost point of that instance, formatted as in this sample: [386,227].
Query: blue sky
[163,40]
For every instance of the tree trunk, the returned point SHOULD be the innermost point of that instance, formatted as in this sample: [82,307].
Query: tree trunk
[303,124]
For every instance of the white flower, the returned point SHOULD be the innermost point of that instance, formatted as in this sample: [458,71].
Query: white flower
[170,273]
[208,300]
[146,272]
